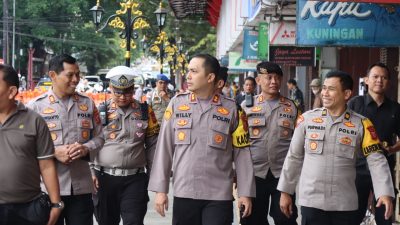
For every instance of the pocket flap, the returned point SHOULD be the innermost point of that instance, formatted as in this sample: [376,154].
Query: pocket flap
[54,125]
[346,140]
[221,127]
[315,135]
[256,122]
[85,123]
[183,123]
[284,122]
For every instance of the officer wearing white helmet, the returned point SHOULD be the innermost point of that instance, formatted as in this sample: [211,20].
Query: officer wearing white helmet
[121,168]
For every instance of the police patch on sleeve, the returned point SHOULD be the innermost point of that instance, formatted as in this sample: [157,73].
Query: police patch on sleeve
[370,142]
[240,137]
[154,127]
[299,120]
[168,114]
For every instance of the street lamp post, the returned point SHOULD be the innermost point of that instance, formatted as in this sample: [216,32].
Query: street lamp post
[31,50]
[127,25]
[161,16]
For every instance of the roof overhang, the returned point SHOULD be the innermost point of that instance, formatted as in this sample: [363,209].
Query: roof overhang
[208,9]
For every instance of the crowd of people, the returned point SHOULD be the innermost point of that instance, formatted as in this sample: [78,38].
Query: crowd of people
[64,159]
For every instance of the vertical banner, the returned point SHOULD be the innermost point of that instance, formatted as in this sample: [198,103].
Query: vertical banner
[263,41]
[250,44]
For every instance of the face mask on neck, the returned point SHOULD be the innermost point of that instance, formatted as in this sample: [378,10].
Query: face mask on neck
[315,91]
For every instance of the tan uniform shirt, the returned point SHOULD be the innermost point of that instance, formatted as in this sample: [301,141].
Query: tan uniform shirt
[271,130]
[323,154]
[200,146]
[78,122]
[158,104]
[130,137]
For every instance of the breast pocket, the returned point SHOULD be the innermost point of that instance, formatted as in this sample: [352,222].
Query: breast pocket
[346,146]
[286,128]
[218,137]
[112,130]
[314,142]
[256,124]
[183,129]
[56,132]
[84,128]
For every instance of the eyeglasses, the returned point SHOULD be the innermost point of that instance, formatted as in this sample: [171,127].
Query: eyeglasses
[125,92]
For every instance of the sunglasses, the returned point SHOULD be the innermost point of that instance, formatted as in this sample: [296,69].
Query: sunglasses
[126,92]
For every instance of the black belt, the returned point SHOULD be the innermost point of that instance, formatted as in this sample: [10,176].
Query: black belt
[119,171]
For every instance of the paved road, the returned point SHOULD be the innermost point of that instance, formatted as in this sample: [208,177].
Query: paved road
[153,218]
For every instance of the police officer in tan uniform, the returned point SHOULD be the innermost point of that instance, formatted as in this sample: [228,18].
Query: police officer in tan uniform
[130,134]
[323,154]
[75,127]
[160,97]
[271,124]
[201,136]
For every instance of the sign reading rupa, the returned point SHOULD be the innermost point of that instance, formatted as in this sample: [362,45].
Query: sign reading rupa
[328,23]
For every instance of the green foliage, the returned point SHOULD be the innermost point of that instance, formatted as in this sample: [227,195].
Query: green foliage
[66,27]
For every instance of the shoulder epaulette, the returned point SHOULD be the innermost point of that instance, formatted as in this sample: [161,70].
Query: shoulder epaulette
[82,94]
[42,96]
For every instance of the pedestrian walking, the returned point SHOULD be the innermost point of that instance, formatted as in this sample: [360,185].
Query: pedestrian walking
[75,128]
[119,169]
[323,155]
[201,137]
[296,94]
[272,118]
[384,113]
[27,153]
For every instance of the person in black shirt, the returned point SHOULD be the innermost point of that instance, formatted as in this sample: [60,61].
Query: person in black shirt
[296,94]
[385,115]
[248,88]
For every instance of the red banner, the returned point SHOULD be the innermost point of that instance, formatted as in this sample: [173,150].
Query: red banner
[370,1]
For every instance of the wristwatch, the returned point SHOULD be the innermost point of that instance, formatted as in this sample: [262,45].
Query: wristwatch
[58,205]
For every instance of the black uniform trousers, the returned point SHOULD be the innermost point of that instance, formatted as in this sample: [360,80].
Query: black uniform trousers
[78,210]
[121,196]
[266,189]
[313,216]
[364,187]
[202,212]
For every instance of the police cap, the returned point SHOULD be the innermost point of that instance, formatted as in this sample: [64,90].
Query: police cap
[122,77]
[269,67]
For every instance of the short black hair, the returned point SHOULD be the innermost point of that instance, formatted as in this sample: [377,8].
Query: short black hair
[210,64]
[345,79]
[57,62]
[381,65]
[10,76]
[223,74]
[292,81]
[251,79]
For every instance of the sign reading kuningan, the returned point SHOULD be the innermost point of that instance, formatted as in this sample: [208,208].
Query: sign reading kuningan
[328,23]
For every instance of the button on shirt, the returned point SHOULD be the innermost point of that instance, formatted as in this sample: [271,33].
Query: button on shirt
[130,136]
[323,154]
[24,140]
[200,145]
[79,121]
[386,119]
[271,130]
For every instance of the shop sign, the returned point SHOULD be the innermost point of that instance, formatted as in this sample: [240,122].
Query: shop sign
[292,56]
[327,23]
[238,64]
[263,40]
[250,44]
[282,33]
